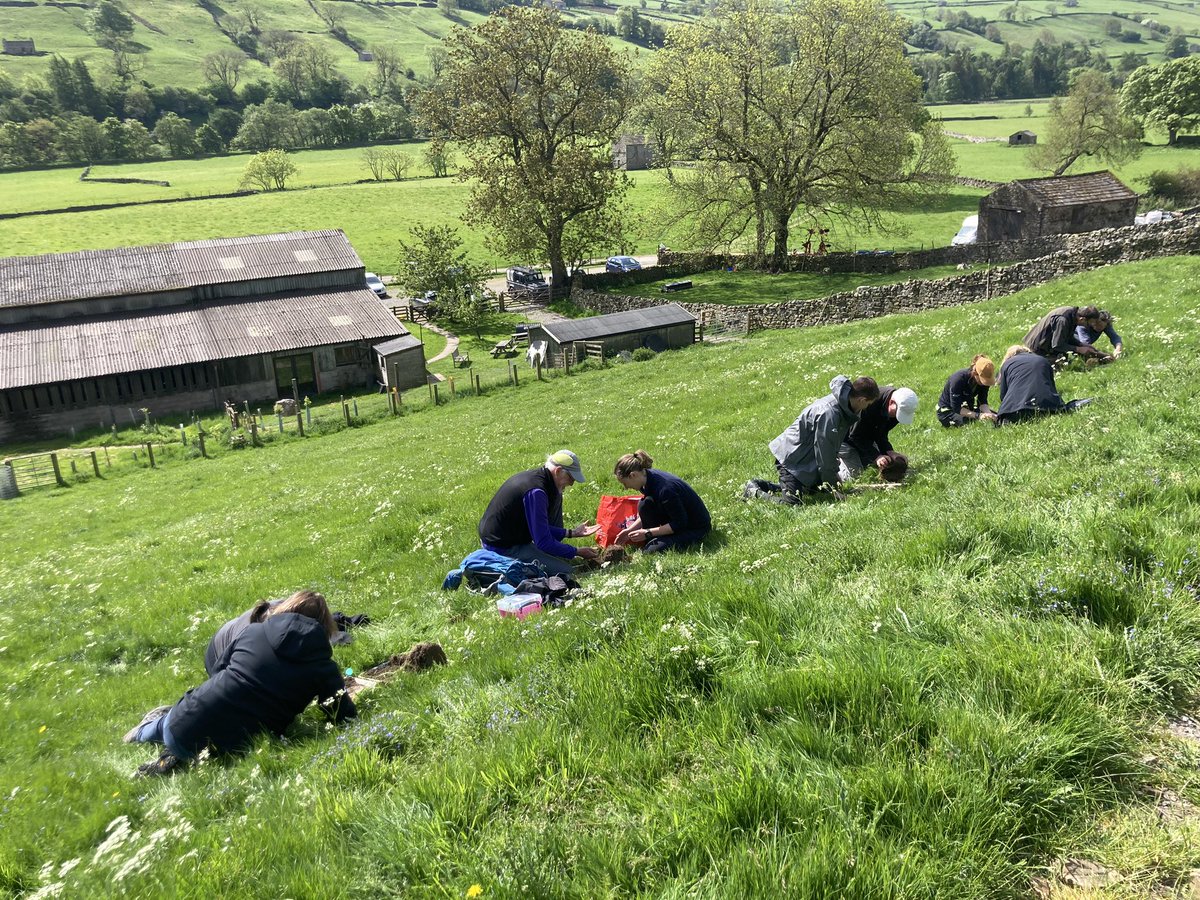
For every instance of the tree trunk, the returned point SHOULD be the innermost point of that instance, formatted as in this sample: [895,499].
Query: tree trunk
[1172,136]
[779,256]
[558,265]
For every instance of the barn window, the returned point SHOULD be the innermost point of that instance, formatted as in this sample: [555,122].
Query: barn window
[349,355]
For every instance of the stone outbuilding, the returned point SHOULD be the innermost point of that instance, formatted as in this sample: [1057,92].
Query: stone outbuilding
[665,327]
[1021,138]
[88,337]
[631,151]
[1070,204]
[19,47]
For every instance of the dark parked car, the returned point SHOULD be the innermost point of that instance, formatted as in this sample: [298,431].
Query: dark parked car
[621,264]
[526,281]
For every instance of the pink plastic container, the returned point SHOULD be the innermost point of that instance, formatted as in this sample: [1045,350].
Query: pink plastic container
[519,605]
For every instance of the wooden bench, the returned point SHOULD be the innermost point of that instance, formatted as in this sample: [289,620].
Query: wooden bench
[460,359]
[503,348]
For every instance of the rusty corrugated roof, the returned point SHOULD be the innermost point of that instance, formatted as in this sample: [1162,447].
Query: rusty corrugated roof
[88,274]
[1075,190]
[108,345]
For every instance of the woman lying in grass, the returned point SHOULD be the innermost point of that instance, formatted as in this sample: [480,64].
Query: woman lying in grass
[671,515]
[264,679]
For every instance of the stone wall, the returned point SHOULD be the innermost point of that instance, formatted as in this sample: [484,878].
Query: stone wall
[1078,253]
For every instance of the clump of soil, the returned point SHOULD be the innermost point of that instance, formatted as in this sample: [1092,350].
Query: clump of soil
[417,658]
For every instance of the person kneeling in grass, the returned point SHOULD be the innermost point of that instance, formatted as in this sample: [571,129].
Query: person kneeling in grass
[671,515]
[806,454]
[1027,387]
[965,396]
[1091,330]
[263,680]
[867,444]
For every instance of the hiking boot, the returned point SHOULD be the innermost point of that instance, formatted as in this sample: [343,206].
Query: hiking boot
[751,491]
[153,716]
[166,763]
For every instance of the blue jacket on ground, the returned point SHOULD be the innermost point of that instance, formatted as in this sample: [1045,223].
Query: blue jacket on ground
[809,447]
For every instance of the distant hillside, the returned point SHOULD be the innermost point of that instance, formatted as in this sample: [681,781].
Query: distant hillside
[172,37]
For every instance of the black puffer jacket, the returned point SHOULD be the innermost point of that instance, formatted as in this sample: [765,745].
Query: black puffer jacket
[269,675]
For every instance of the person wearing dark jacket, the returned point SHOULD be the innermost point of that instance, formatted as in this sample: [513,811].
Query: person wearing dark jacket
[1027,387]
[232,629]
[867,444]
[525,518]
[806,454]
[1054,335]
[264,679]
[671,515]
[965,396]
[1092,330]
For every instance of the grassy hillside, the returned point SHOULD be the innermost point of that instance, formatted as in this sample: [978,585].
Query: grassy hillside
[927,692]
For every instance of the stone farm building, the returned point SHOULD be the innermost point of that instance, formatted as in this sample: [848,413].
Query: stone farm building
[1022,137]
[1070,204]
[19,48]
[658,327]
[631,152]
[86,337]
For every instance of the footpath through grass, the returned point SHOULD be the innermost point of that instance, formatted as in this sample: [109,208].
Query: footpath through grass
[922,692]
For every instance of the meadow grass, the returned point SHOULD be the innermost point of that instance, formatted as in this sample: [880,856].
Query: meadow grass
[925,692]
[1000,162]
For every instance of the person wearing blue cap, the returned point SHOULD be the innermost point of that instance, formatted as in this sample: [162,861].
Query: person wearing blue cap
[525,518]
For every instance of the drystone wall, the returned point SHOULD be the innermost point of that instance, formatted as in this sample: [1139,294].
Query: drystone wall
[1081,253]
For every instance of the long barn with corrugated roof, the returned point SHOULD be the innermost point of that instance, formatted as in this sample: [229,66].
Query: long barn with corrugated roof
[85,337]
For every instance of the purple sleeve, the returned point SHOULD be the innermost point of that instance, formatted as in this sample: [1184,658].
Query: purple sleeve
[546,537]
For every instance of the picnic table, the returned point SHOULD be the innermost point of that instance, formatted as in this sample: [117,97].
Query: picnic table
[504,348]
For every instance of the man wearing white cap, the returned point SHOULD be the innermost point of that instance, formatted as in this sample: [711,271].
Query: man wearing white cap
[525,518]
[867,442]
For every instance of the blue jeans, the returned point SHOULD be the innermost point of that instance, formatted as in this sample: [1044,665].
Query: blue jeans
[159,732]
[554,565]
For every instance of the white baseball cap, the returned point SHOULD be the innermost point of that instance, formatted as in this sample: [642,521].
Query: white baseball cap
[906,405]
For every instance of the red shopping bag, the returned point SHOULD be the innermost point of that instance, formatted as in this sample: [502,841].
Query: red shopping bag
[612,515]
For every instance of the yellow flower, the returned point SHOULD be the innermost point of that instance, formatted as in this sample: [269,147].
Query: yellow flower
[40,730]
[116,794]
[475,890]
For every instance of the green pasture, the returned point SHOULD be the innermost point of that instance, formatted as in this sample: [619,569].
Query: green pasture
[1000,162]
[932,691]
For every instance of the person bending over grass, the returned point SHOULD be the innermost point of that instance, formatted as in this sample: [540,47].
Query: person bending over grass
[1027,387]
[525,518]
[806,454]
[965,396]
[670,516]
[1054,336]
[232,629]
[263,680]
[867,443]
[1091,330]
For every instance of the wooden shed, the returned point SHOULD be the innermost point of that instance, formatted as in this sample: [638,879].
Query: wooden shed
[1071,204]
[659,327]
[86,337]
[401,362]
[1021,138]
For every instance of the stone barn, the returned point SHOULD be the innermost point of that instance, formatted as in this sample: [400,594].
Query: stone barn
[632,152]
[1070,204]
[1020,138]
[19,48]
[657,327]
[90,338]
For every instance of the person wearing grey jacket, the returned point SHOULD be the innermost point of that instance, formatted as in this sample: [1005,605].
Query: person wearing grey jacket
[806,454]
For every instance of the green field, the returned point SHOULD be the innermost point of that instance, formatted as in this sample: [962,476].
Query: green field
[936,691]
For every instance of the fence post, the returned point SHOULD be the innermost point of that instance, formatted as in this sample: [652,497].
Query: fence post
[95,464]
[477,390]
[295,390]
[279,416]
[74,468]
[539,367]
[354,400]
[182,436]
[453,395]
[396,376]
[346,411]
[300,424]
[568,352]
[150,453]
[57,473]
[399,400]
[200,440]
[254,431]
[392,402]
[107,460]
[436,398]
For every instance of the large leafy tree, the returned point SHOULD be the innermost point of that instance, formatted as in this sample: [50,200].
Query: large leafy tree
[1166,96]
[799,106]
[433,261]
[1088,122]
[534,108]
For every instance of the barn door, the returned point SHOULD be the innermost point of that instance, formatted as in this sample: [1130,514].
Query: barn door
[299,366]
